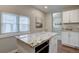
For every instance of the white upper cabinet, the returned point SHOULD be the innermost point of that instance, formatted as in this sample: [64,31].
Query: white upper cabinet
[65,17]
[74,16]
[71,16]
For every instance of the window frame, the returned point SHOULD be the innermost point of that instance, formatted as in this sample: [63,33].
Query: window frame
[18,32]
[27,24]
[1,22]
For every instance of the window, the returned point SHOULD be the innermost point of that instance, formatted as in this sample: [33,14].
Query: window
[8,23]
[57,22]
[24,23]
[12,23]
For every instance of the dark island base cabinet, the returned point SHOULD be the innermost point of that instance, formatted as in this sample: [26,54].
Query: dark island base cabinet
[46,50]
[43,48]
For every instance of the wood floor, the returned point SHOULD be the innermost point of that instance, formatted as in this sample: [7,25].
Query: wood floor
[66,49]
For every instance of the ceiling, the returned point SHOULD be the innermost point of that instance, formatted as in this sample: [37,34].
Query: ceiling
[55,8]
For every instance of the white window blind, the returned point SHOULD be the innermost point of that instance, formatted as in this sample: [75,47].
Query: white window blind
[24,23]
[8,23]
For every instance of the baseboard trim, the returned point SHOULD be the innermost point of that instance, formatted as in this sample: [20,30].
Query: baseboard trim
[71,46]
[13,51]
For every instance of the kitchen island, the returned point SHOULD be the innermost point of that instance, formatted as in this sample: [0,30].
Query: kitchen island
[43,42]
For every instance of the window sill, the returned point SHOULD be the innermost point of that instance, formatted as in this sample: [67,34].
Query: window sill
[13,34]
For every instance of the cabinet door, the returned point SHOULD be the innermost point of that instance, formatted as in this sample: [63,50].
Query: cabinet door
[74,16]
[53,45]
[66,17]
[74,39]
[65,38]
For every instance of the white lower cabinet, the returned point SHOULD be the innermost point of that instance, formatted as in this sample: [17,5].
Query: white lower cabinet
[74,39]
[70,39]
[65,38]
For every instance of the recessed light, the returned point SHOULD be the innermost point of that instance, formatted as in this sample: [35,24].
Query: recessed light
[45,7]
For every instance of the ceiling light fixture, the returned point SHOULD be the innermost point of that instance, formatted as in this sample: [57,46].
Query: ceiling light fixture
[45,7]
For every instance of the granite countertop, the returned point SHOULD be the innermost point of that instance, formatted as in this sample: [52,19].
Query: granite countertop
[36,38]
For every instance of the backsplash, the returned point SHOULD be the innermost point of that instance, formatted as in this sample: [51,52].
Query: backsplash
[70,27]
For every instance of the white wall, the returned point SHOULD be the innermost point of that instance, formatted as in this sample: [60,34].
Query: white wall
[8,44]
[48,24]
